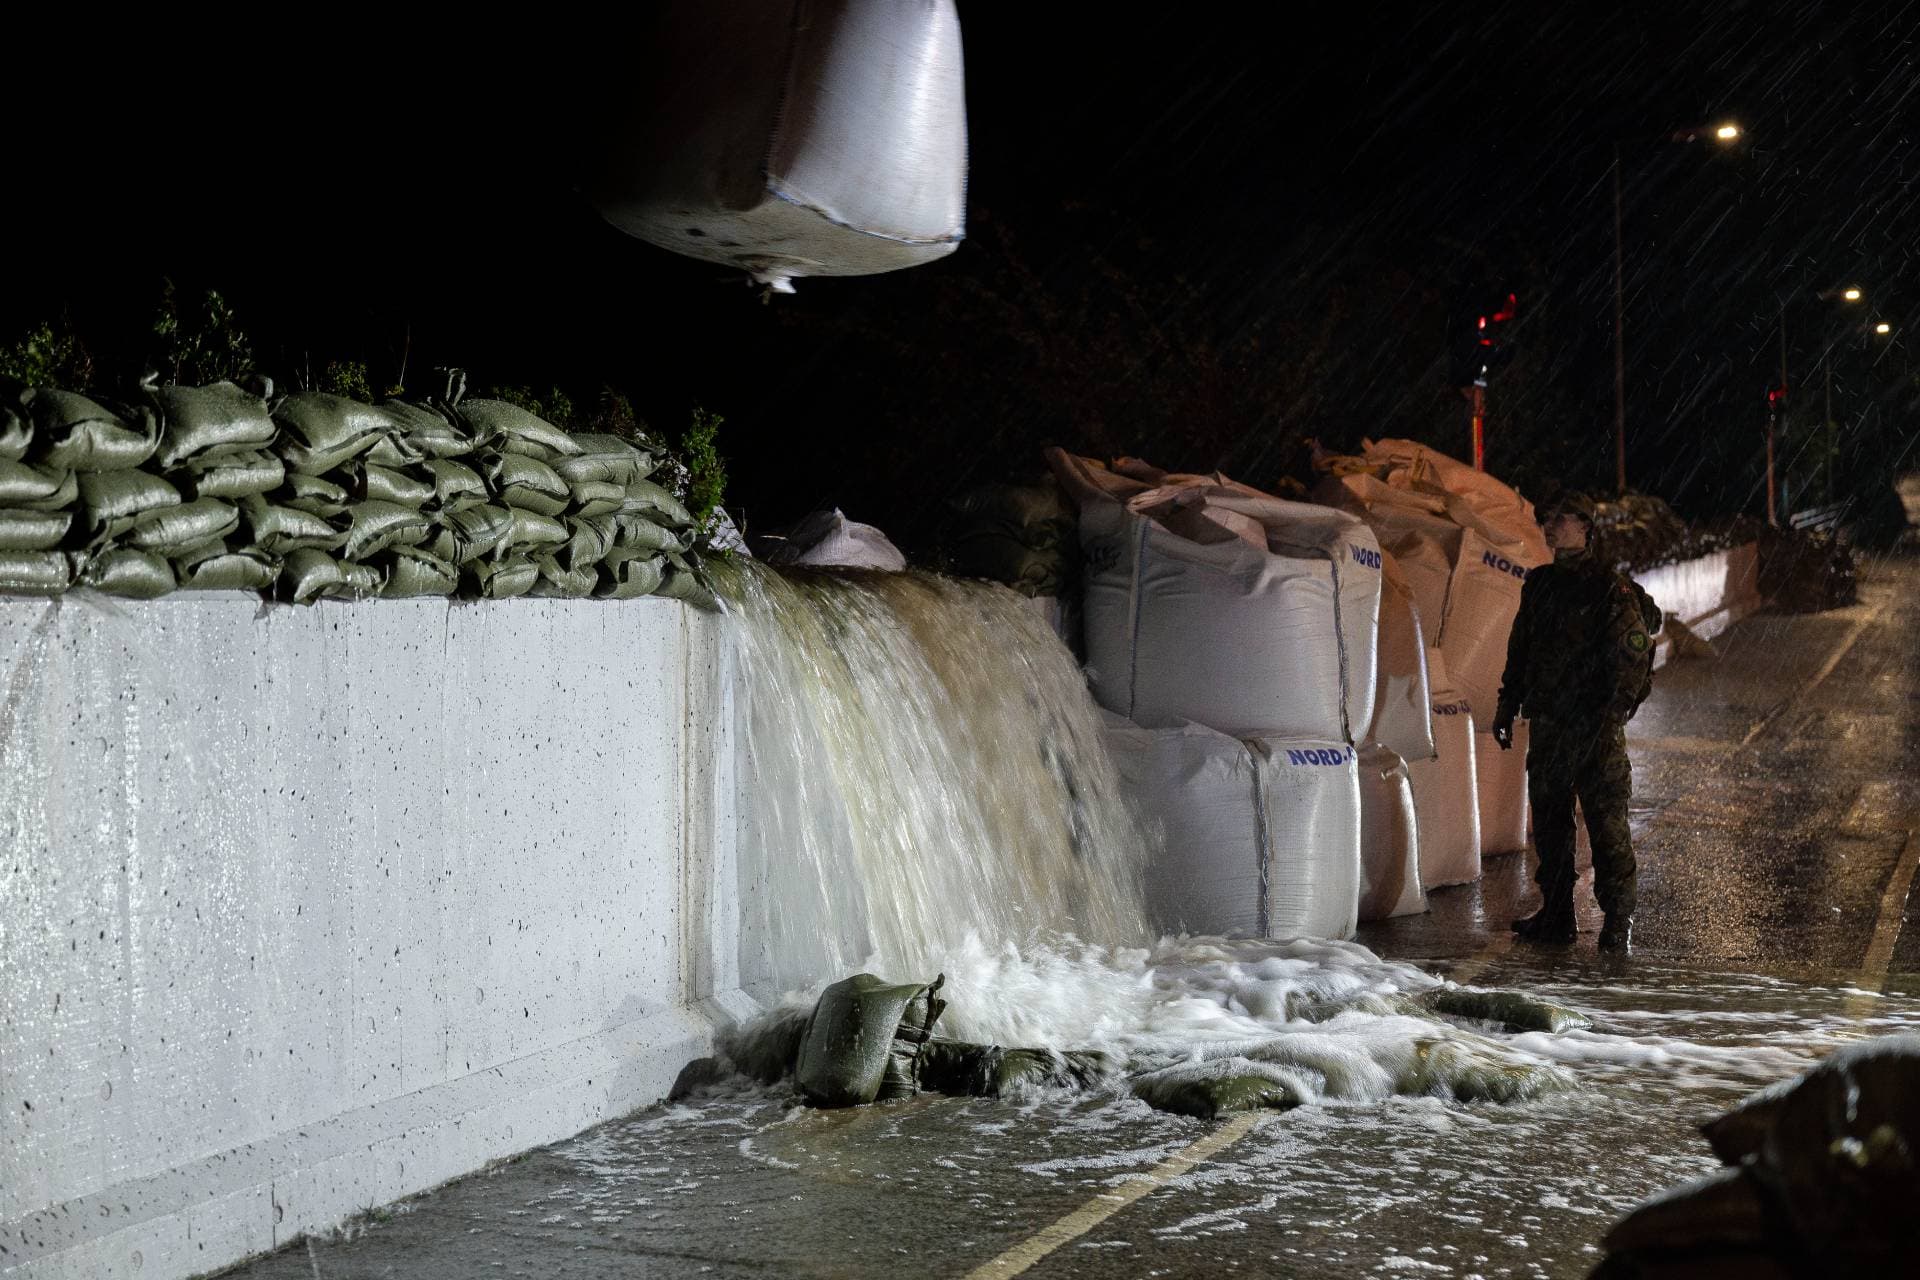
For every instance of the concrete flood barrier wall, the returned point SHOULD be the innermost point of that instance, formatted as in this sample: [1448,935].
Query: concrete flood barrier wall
[1708,594]
[305,910]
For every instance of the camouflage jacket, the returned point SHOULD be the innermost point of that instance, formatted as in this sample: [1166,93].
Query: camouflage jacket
[1581,649]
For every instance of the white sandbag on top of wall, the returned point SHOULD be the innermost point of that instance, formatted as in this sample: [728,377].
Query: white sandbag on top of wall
[1413,527]
[1402,705]
[1216,604]
[1253,838]
[1389,838]
[1500,786]
[827,539]
[794,140]
[1445,801]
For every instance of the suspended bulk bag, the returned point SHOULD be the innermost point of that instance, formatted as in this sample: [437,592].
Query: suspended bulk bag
[1402,705]
[795,138]
[1500,783]
[1481,604]
[1445,804]
[827,539]
[1389,838]
[1207,605]
[1258,838]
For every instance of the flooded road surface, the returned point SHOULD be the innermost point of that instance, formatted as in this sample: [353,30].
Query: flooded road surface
[1777,793]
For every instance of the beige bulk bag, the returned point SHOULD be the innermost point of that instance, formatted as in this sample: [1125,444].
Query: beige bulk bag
[1402,705]
[1445,800]
[1389,838]
[1500,784]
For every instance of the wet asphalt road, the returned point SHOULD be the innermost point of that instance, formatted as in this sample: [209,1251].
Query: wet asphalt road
[1777,795]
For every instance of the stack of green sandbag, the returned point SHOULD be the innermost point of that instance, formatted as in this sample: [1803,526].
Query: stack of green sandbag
[321,496]
[1022,535]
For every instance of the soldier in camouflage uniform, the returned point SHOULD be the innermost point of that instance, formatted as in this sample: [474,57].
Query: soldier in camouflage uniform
[1579,663]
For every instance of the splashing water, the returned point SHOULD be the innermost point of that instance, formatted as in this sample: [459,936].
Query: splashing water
[923,789]
[922,763]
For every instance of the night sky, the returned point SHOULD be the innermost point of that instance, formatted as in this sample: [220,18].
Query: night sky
[1193,236]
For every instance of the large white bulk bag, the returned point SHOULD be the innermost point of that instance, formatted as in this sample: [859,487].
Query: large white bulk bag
[794,137]
[1500,786]
[1402,704]
[1482,601]
[1253,838]
[1389,838]
[1213,604]
[1446,806]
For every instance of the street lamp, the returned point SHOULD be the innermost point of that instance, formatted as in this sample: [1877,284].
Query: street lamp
[1883,327]
[1724,133]
[1777,397]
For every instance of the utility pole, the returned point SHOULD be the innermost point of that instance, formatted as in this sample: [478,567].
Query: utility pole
[1619,340]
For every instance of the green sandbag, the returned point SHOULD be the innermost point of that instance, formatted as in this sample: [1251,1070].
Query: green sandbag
[589,540]
[1471,1071]
[278,530]
[681,584]
[638,534]
[1205,1097]
[372,527]
[1028,570]
[511,429]
[206,423]
[455,484]
[441,545]
[563,583]
[313,494]
[412,572]
[423,431]
[112,502]
[320,431]
[595,497]
[607,458]
[989,1071]
[239,476]
[171,530]
[532,532]
[359,581]
[307,575]
[216,567]
[73,433]
[25,487]
[122,571]
[850,1041]
[525,482]
[629,579]
[16,434]
[33,530]
[34,573]
[645,498]
[498,579]
[478,530]
[367,481]
[1513,1010]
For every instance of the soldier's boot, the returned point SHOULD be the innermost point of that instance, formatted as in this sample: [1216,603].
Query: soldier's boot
[1552,925]
[1617,933]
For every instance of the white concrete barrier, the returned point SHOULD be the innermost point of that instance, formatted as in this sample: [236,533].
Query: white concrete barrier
[305,910]
[1708,594]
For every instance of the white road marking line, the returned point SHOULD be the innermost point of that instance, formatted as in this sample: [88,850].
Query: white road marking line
[1846,646]
[1886,930]
[1104,1206]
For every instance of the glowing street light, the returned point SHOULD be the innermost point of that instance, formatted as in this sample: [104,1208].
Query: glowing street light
[1851,295]
[1727,132]
[1883,327]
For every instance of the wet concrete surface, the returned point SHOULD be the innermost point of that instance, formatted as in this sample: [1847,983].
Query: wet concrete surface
[1777,790]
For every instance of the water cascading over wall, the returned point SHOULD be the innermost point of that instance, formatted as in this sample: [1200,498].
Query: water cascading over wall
[919,761]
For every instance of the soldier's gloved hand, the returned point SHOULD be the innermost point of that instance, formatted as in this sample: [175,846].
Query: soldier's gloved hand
[1503,731]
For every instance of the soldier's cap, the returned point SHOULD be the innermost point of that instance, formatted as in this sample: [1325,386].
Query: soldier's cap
[1573,503]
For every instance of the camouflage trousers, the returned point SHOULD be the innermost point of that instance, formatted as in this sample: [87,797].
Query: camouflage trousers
[1585,762]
